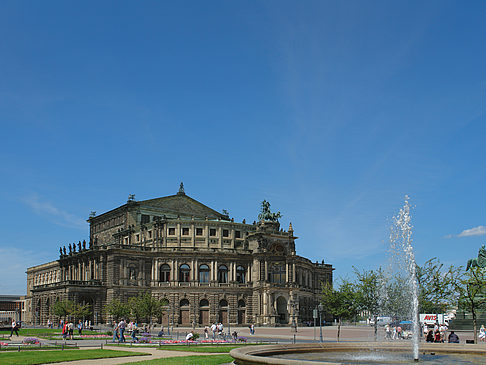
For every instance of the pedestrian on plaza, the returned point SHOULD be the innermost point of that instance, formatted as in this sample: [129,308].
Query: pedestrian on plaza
[65,330]
[161,332]
[206,332]
[252,329]
[134,332]
[71,330]
[214,329]
[80,327]
[482,334]
[453,338]
[220,329]
[115,332]
[15,328]
[399,332]
[121,328]
[189,336]
[61,323]
[394,333]
[387,332]
[437,336]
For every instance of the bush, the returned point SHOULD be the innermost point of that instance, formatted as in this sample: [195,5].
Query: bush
[144,340]
[195,336]
[109,333]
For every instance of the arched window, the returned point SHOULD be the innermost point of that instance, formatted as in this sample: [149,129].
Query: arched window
[184,303]
[241,303]
[223,303]
[204,273]
[204,303]
[241,274]
[164,273]
[222,274]
[184,271]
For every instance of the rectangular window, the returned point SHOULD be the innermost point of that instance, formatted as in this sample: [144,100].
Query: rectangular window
[225,233]
[137,238]
[212,232]
[199,231]
[237,234]
[185,231]
[145,219]
[172,231]
[149,234]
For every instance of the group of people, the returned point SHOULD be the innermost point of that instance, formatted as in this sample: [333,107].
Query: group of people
[119,329]
[393,333]
[438,333]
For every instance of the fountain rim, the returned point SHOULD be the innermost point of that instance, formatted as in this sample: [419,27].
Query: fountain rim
[257,354]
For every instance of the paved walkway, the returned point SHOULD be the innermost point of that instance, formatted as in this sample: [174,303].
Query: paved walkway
[153,353]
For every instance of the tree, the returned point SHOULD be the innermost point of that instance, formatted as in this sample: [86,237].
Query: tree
[370,292]
[63,308]
[397,294]
[437,286]
[471,286]
[146,306]
[340,303]
[118,309]
[80,311]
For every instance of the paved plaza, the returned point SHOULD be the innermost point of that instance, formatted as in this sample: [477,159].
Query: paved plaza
[266,334]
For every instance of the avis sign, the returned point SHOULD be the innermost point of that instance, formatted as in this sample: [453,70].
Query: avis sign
[431,318]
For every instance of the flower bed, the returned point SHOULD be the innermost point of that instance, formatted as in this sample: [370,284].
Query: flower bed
[30,340]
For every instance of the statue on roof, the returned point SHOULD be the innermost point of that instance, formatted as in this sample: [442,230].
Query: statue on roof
[480,261]
[84,244]
[60,251]
[64,250]
[70,249]
[266,214]
[181,189]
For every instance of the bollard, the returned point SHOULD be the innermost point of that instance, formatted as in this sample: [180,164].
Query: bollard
[102,345]
[62,347]
[19,348]
[294,338]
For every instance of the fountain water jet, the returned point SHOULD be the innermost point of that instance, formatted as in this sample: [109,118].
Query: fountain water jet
[401,245]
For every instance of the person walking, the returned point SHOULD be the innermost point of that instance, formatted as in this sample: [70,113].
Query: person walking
[214,329]
[206,332]
[15,328]
[134,332]
[80,327]
[71,330]
[65,330]
[121,327]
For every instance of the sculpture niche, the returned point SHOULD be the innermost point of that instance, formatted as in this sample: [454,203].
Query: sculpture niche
[480,261]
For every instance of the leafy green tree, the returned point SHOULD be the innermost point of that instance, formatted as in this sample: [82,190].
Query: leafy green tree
[370,292]
[63,308]
[471,286]
[118,309]
[397,302]
[341,304]
[81,311]
[437,286]
[146,306]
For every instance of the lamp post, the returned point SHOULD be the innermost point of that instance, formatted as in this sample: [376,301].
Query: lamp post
[229,325]
[320,307]
[293,305]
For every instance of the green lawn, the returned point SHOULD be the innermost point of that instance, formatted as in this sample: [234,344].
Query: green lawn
[190,360]
[45,357]
[48,332]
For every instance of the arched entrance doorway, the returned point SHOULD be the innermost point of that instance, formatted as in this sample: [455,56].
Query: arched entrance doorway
[184,312]
[204,312]
[223,311]
[241,311]
[282,313]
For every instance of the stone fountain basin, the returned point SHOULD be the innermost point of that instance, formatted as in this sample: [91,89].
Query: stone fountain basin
[252,355]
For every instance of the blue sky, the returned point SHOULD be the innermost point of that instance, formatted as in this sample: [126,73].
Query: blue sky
[331,110]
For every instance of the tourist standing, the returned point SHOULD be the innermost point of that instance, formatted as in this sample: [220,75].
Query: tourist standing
[115,332]
[252,329]
[214,329]
[482,334]
[134,332]
[206,334]
[71,329]
[80,327]
[220,329]
[65,330]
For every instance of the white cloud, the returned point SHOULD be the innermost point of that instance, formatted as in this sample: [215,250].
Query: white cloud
[476,231]
[55,214]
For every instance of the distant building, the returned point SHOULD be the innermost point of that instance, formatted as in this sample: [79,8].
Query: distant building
[207,266]
[12,307]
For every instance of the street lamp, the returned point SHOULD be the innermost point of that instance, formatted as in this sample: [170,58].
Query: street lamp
[293,305]
[321,308]
[229,325]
